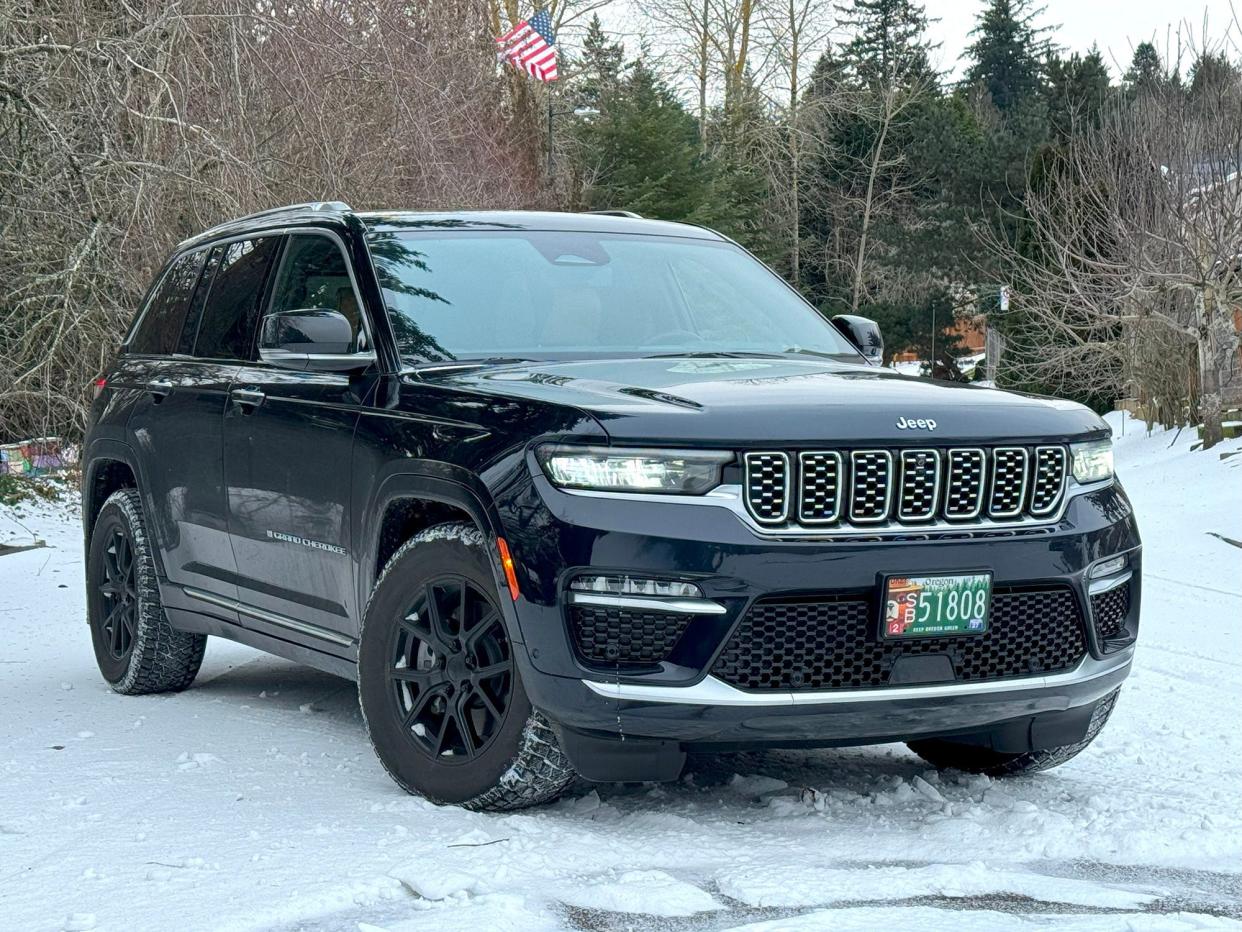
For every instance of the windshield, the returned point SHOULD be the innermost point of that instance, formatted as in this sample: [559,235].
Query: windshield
[459,295]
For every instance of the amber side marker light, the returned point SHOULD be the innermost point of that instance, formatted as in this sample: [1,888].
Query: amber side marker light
[506,560]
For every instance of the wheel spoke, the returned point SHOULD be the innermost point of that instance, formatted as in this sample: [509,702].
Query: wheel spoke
[117,618]
[443,732]
[493,670]
[491,706]
[462,717]
[411,675]
[418,705]
[486,623]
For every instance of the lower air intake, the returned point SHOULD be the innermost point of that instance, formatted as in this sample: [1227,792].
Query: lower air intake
[832,643]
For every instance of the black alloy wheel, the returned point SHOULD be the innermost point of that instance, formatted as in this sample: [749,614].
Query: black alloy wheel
[451,670]
[118,592]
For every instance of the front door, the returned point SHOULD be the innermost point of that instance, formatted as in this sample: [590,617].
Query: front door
[288,440]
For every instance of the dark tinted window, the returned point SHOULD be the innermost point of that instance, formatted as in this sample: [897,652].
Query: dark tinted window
[189,333]
[160,328]
[227,328]
[314,274]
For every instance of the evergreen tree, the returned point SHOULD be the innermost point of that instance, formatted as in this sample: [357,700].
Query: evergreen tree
[1078,87]
[1007,52]
[1146,71]
[644,150]
[888,41]
[599,66]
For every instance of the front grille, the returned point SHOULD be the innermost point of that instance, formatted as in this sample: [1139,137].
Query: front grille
[833,642]
[621,636]
[875,488]
[1109,610]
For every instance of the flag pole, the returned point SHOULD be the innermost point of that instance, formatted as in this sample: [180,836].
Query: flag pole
[550,134]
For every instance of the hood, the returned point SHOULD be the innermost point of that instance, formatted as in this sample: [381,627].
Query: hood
[731,402]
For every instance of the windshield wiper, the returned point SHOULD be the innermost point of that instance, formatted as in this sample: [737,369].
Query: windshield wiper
[715,354]
[480,363]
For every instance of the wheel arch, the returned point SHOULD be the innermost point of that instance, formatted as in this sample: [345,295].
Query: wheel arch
[110,465]
[407,503]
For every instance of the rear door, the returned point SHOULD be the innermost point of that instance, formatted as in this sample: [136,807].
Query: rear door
[288,440]
[176,427]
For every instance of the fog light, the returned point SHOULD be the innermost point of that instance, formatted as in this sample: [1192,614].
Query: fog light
[1108,567]
[636,585]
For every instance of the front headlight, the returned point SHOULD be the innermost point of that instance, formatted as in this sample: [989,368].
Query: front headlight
[1093,461]
[609,469]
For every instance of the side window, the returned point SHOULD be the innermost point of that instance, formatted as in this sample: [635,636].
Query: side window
[314,274]
[226,330]
[189,333]
[159,330]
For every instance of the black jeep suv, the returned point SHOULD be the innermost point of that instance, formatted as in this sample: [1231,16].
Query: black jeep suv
[579,493]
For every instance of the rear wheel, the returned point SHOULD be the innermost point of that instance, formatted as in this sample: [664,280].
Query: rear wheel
[439,686]
[947,755]
[137,650]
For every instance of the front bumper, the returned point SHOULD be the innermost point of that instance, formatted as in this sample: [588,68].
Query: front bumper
[555,535]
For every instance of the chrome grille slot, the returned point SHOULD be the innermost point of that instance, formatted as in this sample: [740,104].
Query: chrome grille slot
[906,491]
[920,485]
[767,486]
[871,486]
[1008,489]
[819,497]
[1048,481]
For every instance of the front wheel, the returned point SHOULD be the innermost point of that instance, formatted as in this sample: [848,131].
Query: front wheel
[137,650]
[947,755]
[439,685]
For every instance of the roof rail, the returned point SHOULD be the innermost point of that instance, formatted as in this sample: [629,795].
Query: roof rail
[616,213]
[288,208]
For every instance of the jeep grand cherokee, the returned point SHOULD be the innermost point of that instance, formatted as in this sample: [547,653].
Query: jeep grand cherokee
[580,493]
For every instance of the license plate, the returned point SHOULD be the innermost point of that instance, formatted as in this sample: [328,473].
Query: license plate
[936,606]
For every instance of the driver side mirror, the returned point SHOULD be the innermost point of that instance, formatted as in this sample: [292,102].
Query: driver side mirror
[311,339]
[864,333]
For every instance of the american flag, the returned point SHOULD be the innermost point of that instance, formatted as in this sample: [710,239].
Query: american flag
[530,46]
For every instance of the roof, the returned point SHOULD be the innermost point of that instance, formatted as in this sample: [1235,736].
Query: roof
[599,222]
[340,214]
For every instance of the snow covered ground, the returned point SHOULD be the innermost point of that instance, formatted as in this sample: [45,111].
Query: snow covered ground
[253,801]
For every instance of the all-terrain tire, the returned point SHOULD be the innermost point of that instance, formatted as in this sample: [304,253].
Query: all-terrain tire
[523,765]
[157,658]
[947,755]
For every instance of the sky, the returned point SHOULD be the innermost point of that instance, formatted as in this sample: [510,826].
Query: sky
[1116,25]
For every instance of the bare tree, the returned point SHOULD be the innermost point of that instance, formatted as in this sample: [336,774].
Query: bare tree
[1133,252]
[124,127]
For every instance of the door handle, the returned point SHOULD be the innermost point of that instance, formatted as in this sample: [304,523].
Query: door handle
[159,389]
[247,398]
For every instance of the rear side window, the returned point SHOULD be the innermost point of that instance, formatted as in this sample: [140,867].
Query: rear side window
[159,330]
[226,330]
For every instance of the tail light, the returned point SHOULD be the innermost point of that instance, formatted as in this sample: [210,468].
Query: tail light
[98,385]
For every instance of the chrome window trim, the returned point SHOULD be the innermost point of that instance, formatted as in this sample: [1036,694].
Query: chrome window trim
[788,484]
[1065,475]
[732,497]
[836,512]
[713,692]
[901,486]
[644,603]
[983,482]
[888,488]
[1026,468]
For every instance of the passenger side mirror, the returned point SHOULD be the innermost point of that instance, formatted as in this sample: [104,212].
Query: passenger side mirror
[316,339]
[864,333]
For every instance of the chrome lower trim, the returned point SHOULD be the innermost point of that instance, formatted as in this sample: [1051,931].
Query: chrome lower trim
[732,498]
[713,692]
[642,603]
[270,617]
[1108,583]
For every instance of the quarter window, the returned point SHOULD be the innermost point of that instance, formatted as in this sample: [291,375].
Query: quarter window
[159,330]
[229,316]
[315,275]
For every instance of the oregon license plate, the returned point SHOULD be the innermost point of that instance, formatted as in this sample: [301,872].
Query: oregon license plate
[936,606]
